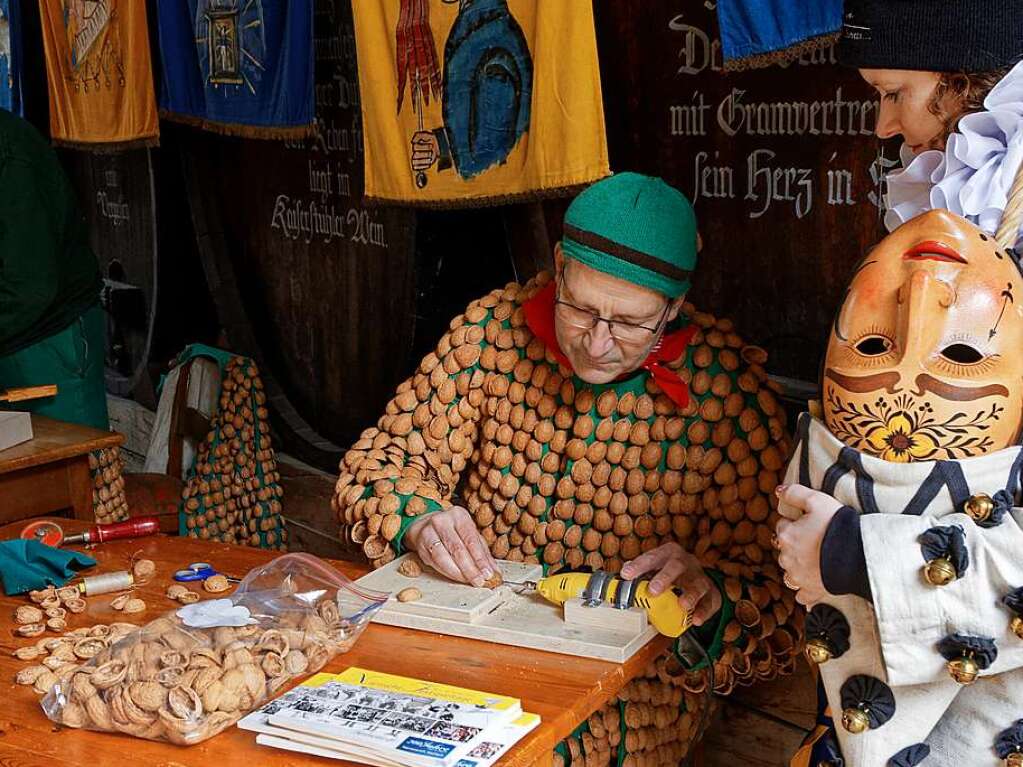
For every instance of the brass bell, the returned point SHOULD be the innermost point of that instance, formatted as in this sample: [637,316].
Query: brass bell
[979,507]
[855,720]
[1015,759]
[818,651]
[1016,625]
[940,572]
[964,670]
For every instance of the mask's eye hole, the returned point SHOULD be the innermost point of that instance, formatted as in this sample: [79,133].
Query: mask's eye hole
[874,346]
[961,353]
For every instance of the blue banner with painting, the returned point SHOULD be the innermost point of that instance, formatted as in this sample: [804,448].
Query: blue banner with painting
[10,64]
[243,67]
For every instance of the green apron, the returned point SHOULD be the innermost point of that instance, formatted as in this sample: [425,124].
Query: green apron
[73,360]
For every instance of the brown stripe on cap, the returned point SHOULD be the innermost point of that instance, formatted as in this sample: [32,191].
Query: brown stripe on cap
[625,253]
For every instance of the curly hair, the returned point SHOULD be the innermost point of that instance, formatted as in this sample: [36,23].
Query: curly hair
[958,94]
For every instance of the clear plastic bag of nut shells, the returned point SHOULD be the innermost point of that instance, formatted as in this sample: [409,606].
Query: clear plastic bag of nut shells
[186,676]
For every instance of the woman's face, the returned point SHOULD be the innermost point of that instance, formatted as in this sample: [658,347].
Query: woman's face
[906,96]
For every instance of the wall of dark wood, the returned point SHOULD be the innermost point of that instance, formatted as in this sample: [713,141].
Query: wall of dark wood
[781,165]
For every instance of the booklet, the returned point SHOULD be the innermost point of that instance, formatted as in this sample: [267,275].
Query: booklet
[484,755]
[396,719]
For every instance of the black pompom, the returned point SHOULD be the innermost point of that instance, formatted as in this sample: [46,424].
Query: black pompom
[871,695]
[910,756]
[827,623]
[948,542]
[981,649]
[1003,504]
[1014,601]
[1010,740]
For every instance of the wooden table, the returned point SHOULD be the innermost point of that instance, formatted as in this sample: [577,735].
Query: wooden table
[562,689]
[50,474]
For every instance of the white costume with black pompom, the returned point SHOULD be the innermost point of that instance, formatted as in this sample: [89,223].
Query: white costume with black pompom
[895,638]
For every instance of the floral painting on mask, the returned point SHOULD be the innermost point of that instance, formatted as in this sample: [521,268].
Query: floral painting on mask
[922,362]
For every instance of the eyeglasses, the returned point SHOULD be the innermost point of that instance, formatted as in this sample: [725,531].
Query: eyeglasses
[626,332]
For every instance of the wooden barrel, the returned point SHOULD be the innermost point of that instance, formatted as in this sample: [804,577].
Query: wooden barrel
[117,195]
[318,288]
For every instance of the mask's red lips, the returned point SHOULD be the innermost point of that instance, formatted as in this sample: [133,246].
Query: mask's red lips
[932,250]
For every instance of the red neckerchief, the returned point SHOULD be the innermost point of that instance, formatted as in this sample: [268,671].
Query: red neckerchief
[539,311]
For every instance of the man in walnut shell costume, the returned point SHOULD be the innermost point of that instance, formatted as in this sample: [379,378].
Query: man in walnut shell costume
[595,420]
[906,533]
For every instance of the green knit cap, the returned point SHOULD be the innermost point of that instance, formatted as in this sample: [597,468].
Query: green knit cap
[636,228]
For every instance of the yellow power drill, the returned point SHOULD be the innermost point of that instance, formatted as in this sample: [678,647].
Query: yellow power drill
[663,611]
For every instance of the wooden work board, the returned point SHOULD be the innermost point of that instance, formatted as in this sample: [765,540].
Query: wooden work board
[504,616]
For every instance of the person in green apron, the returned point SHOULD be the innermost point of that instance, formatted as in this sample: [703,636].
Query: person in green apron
[51,323]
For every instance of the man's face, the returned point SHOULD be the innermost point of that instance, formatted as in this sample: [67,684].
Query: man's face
[924,358]
[596,355]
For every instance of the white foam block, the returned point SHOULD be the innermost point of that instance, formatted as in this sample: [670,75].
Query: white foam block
[15,428]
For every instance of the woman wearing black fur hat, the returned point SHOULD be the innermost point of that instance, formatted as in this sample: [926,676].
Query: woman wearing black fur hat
[949,84]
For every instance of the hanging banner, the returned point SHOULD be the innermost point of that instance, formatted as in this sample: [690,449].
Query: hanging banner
[241,67]
[99,73]
[10,63]
[478,101]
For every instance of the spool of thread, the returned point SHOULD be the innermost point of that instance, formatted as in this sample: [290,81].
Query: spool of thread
[106,583]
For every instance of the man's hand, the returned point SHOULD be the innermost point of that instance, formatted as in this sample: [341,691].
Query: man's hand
[449,542]
[425,150]
[799,542]
[700,596]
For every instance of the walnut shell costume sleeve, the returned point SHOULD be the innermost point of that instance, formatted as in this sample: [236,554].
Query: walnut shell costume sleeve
[558,471]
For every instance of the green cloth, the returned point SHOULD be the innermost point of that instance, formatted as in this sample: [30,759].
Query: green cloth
[636,228]
[27,565]
[71,358]
[48,273]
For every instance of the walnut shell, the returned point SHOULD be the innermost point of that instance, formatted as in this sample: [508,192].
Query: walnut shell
[53,662]
[31,629]
[329,612]
[76,605]
[410,594]
[45,682]
[273,640]
[296,662]
[73,715]
[43,594]
[56,612]
[493,581]
[149,696]
[68,592]
[89,647]
[255,679]
[56,624]
[216,584]
[28,614]
[185,704]
[109,674]
[144,569]
[27,653]
[273,665]
[99,713]
[175,590]
[118,602]
[411,567]
[50,601]
[81,687]
[189,597]
[134,605]
[30,674]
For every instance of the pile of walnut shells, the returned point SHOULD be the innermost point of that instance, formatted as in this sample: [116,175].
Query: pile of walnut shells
[49,611]
[172,682]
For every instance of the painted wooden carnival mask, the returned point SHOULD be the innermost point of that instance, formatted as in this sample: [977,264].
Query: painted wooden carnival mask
[925,358]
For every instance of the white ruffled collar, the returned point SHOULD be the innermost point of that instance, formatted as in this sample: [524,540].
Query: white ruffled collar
[972,177]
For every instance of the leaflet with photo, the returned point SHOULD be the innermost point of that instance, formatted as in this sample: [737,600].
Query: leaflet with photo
[485,754]
[400,720]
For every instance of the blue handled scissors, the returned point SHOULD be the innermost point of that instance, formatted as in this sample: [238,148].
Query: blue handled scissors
[198,571]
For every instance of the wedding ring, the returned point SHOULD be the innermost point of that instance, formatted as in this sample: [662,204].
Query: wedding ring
[433,545]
